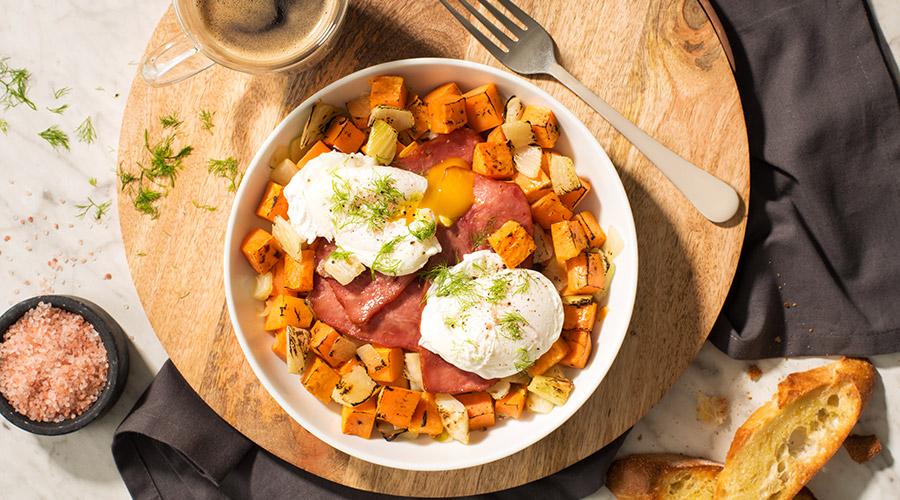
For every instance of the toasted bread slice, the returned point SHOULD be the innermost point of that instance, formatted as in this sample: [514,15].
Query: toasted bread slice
[787,440]
[666,476]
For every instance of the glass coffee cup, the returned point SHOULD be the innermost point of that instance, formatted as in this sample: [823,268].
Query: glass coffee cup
[252,36]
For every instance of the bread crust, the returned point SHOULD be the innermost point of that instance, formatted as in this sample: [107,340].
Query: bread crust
[638,477]
[772,455]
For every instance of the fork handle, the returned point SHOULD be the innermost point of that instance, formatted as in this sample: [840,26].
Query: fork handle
[712,197]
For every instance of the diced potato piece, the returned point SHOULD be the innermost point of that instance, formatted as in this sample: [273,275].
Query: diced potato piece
[528,161]
[493,160]
[556,273]
[297,348]
[454,417]
[426,419]
[272,203]
[555,390]
[579,311]
[480,409]
[592,229]
[586,272]
[514,109]
[512,243]
[408,150]
[544,125]
[344,136]
[318,148]
[398,118]
[579,342]
[281,152]
[298,274]
[519,134]
[319,379]
[384,364]
[287,310]
[279,344]
[330,345]
[484,109]
[359,109]
[355,387]
[420,117]
[449,88]
[396,405]
[543,245]
[278,281]
[562,173]
[412,370]
[549,209]
[284,172]
[557,351]
[537,404]
[387,91]
[499,389]
[512,404]
[496,135]
[261,250]
[568,239]
[533,187]
[574,197]
[446,114]
[359,420]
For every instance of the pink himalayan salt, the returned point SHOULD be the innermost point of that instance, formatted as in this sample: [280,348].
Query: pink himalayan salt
[52,364]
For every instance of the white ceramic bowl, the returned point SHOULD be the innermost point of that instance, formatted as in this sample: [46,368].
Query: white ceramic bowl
[607,199]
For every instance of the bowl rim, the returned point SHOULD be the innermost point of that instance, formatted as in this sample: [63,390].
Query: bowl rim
[114,341]
[398,66]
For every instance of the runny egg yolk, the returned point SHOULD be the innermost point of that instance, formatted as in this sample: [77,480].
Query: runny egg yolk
[449,192]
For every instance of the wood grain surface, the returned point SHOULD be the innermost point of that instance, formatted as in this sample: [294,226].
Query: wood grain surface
[658,61]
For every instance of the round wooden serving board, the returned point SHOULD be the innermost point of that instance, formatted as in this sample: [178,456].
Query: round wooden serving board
[658,61]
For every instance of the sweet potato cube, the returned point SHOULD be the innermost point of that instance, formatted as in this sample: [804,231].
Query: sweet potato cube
[484,109]
[497,135]
[272,203]
[318,148]
[446,114]
[494,160]
[549,209]
[279,344]
[595,234]
[344,136]
[426,419]
[331,346]
[348,365]
[449,88]
[359,110]
[513,403]
[480,407]
[557,351]
[533,187]
[574,197]
[586,273]
[419,111]
[579,343]
[319,379]
[387,91]
[396,405]
[568,239]
[298,274]
[543,124]
[359,420]
[384,364]
[261,250]
[287,310]
[512,243]
[580,313]
[278,281]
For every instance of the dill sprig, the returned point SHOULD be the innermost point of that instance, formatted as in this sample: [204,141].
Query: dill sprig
[497,291]
[446,283]
[61,92]
[208,208]
[511,325]
[383,262]
[227,169]
[171,120]
[164,162]
[56,137]
[15,82]
[144,201]
[99,209]
[373,205]
[86,132]
[206,117]
[423,228]
[339,254]
[125,179]
[524,285]
[523,359]
[477,238]
[58,110]
[93,181]
[4,125]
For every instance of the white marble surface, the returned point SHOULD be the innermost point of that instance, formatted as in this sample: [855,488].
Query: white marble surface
[92,47]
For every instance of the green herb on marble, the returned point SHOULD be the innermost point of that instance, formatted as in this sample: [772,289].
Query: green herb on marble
[86,132]
[15,83]
[93,181]
[58,110]
[99,209]
[61,92]
[4,125]
[56,137]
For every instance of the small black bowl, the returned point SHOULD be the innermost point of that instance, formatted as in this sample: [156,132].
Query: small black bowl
[116,354]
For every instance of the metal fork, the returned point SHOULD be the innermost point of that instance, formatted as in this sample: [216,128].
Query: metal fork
[532,52]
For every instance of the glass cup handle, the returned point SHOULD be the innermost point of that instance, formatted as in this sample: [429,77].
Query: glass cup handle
[172,62]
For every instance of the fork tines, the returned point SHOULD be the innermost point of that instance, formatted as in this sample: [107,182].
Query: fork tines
[513,28]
